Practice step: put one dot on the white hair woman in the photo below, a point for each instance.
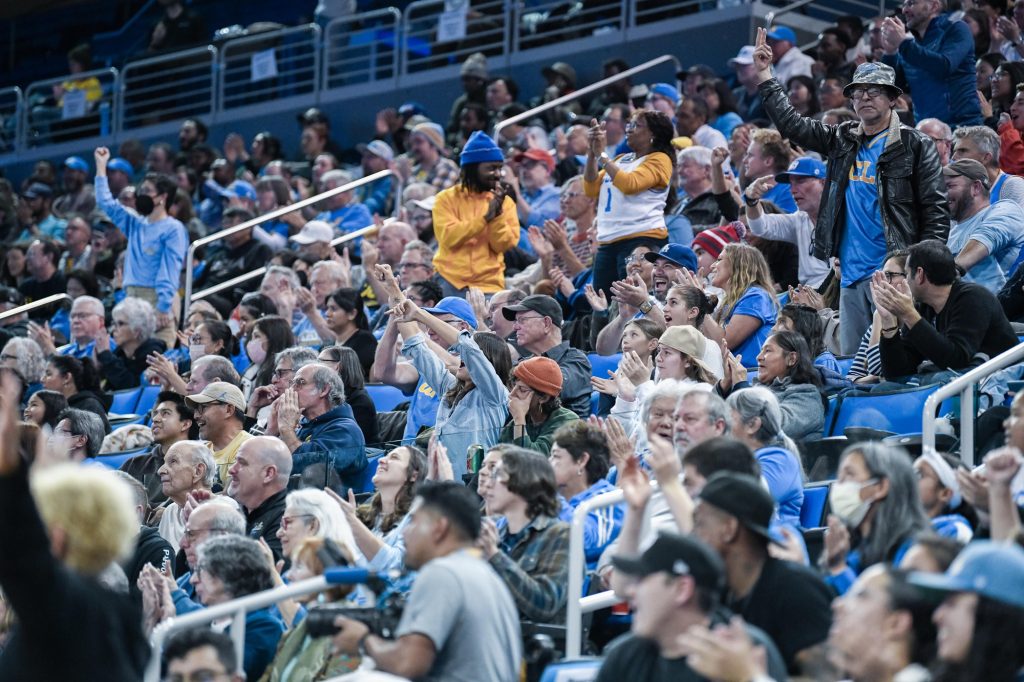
(132, 330)
(757, 422)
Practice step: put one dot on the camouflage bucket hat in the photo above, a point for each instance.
(874, 73)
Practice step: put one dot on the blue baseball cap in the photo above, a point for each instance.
(665, 90)
(986, 568)
(681, 255)
(119, 164)
(782, 33)
(76, 163)
(453, 305)
(805, 166)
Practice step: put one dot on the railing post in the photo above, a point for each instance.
(238, 638)
(967, 425)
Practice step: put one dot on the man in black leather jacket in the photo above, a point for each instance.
(896, 198)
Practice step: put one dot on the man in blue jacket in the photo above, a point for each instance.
(326, 431)
(935, 56)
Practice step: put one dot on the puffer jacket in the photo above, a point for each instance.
(911, 191)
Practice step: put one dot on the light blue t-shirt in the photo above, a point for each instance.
(862, 246)
(422, 410)
(781, 469)
(1000, 229)
(758, 303)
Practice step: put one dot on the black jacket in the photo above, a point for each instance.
(69, 627)
(971, 329)
(224, 264)
(264, 520)
(150, 548)
(122, 371)
(89, 401)
(911, 191)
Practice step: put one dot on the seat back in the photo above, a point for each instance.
(812, 513)
(600, 365)
(578, 670)
(124, 402)
(147, 399)
(898, 411)
(385, 398)
(366, 480)
(115, 460)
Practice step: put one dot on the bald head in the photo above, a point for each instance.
(261, 470)
(391, 241)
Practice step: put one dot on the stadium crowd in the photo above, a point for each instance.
(659, 298)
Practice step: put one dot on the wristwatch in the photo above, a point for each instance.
(646, 307)
(751, 202)
(603, 159)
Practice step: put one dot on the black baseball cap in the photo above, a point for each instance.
(742, 496)
(538, 303)
(676, 555)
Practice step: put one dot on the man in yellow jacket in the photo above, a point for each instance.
(475, 222)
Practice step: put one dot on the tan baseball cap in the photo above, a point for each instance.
(218, 392)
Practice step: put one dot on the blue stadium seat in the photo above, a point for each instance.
(125, 401)
(845, 364)
(812, 513)
(366, 482)
(830, 415)
(385, 398)
(114, 460)
(898, 412)
(595, 402)
(576, 670)
(600, 365)
(147, 399)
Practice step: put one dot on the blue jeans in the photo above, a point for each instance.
(610, 262)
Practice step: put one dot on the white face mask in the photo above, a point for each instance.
(844, 498)
(196, 351)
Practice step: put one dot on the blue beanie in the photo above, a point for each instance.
(479, 149)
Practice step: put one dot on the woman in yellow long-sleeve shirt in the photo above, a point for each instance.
(632, 191)
(475, 222)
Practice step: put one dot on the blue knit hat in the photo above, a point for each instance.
(479, 149)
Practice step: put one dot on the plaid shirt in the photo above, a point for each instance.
(536, 568)
(443, 175)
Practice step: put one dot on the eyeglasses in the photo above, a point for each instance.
(631, 126)
(999, 75)
(279, 373)
(201, 675)
(571, 195)
(890, 276)
(409, 266)
(287, 521)
(298, 383)
(120, 323)
(82, 316)
(193, 533)
(861, 93)
(521, 320)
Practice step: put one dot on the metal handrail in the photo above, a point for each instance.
(236, 608)
(586, 90)
(576, 606)
(34, 304)
(245, 277)
(276, 213)
(126, 71)
(964, 386)
(770, 18)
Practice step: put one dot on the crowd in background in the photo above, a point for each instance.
(435, 370)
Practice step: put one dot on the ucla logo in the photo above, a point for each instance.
(860, 172)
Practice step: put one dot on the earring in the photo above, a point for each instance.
(579, 472)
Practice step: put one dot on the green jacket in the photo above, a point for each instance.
(539, 436)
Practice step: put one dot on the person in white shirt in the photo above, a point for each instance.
(692, 122)
(788, 59)
(806, 178)
(188, 467)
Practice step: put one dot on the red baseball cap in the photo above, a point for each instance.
(537, 155)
